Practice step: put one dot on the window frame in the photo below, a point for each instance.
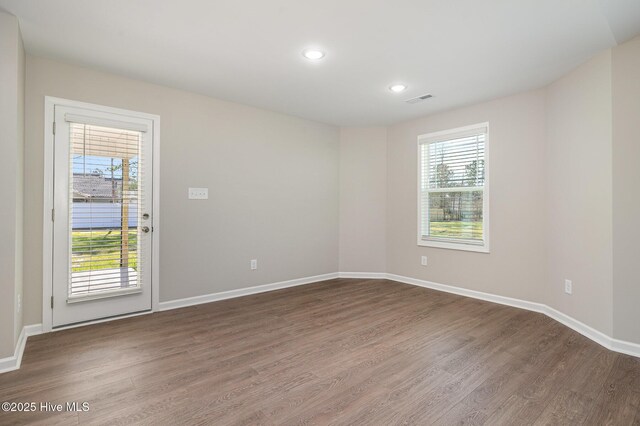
(448, 243)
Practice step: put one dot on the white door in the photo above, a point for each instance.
(103, 218)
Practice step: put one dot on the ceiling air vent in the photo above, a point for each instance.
(418, 99)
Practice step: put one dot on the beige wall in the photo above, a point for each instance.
(20, 170)
(272, 179)
(363, 199)
(579, 207)
(626, 189)
(516, 265)
(11, 176)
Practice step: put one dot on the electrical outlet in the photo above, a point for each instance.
(568, 286)
(198, 193)
(423, 261)
(254, 264)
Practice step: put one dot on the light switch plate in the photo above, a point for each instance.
(198, 193)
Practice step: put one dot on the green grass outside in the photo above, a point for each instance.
(101, 250)
(456, 229)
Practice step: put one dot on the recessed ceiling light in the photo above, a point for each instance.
(313, 54)
(397, 88)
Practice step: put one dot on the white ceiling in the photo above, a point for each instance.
(249, 51)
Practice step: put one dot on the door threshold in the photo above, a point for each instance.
(101, 320)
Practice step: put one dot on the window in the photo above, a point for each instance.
(453, 189)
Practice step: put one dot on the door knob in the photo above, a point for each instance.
(145, 216)
(145, 229)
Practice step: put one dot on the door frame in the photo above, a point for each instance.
(47, 222)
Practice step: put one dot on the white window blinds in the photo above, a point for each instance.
(105, 194)
(452, 185)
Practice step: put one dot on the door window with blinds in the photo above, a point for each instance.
(453, 198)
(104, 208)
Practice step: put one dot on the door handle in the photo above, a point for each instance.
(145, 216)
(145, 229)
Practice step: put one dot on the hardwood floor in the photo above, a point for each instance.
(369, 352)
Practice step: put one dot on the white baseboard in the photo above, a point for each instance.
(625, 347)
(365, 275)
(230, 294)
(11, 363)
(518, 303)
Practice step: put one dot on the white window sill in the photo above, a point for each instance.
(478, 248)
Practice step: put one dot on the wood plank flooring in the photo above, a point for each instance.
(365, 352)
